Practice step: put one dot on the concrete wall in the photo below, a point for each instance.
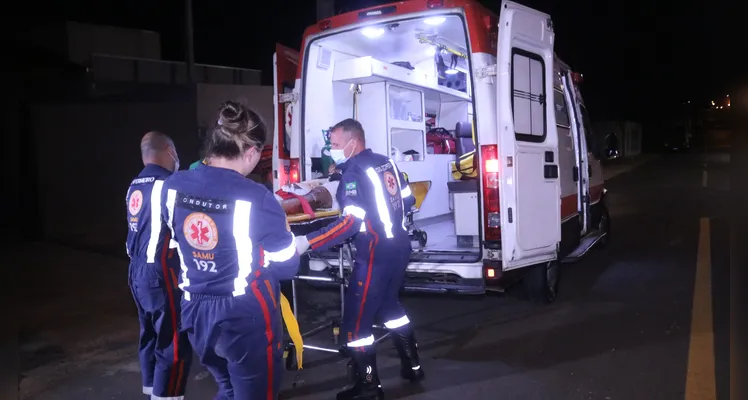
(84, 40)
(87, 155)
(210, 97)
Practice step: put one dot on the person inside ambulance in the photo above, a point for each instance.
(371, 196)
(235, 246)
(165, 354)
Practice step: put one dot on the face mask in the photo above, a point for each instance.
(176, 162)
(338, 155)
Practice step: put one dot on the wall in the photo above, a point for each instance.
(87, 155)
(84, 40)
(259, 98)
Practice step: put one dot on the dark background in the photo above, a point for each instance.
(640, 59)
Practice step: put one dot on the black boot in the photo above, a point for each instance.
(367, 386)
(407, 348)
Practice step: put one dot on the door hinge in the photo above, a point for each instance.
(292, 97)
(483, 72)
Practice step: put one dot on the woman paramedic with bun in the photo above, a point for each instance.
(235, 246)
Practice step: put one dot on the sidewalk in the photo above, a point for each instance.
(613, 168)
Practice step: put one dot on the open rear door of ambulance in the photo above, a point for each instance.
(529, 186)
(285, 62)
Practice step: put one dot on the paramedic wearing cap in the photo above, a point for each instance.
(235, 246)
(165, 354)
(373, 196)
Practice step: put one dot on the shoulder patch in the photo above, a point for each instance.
(390, 182)
(351, 186)
(200, 231)
(135, 203)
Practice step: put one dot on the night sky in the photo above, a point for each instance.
(640, 59)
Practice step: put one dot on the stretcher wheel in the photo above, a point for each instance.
(290, 355)
(422, 238)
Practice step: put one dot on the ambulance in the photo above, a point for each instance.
(516, 184)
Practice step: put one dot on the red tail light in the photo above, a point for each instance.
(293, 171)
(490, 176)
(434, 3)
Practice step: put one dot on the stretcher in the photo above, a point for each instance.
(302, 224)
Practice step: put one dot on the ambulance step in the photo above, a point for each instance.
(584, 246)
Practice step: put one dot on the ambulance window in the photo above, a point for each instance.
(528, 96)
(562, 113)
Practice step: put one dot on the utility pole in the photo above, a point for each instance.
(189, 43)
(325, 9)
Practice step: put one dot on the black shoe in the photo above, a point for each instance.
(407, 348)
(367, 386)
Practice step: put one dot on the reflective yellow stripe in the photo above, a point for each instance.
(293, 328)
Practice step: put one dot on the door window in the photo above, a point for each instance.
(528, 96)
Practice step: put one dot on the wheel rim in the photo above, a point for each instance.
(551, 275)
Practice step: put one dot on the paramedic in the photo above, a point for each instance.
(235, 245)
(165, 354)
(371, 194)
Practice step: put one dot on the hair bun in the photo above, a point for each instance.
(233, 118)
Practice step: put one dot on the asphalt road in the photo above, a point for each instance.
(625, 325)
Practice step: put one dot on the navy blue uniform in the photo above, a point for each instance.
(235, 245)
(373, 195)
(165, 354)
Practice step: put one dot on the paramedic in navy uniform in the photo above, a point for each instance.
(235, 245)
(373, 196)
(165, 354)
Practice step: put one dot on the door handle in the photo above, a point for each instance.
(550, 171)
(575, 173)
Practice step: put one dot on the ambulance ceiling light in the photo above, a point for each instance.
(431, 50)
(434, 21)
(372, 32)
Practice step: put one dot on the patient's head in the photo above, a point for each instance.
(346, 140)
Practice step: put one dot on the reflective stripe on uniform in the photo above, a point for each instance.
(397, 323)
(243, 242)
(402, 191)
(171, 199)
(150, 251)
(281, 255)
(384, 214)
(367, 341)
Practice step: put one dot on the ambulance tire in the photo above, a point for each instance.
(541, 282)
(604, 226)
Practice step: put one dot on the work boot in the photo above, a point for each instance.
(367, 386)
(407, 348)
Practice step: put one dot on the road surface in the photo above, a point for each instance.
(644, 318)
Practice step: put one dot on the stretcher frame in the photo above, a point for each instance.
(345, 253)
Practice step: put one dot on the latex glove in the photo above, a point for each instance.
(302, 244)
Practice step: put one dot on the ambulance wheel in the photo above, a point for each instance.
(604, 226)
(541, 282)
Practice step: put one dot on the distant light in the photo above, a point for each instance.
(372, 32)
(712, 102)
(431, 50)
(434, 21)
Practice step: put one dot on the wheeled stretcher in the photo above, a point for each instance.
(302, 224)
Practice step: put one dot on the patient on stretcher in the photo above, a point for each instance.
(319, 194)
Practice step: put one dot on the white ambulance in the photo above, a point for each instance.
(520, 185)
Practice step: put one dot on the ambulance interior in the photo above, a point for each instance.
(400, 80)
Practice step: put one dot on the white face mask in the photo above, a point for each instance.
(176, 162)
(338, 155)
